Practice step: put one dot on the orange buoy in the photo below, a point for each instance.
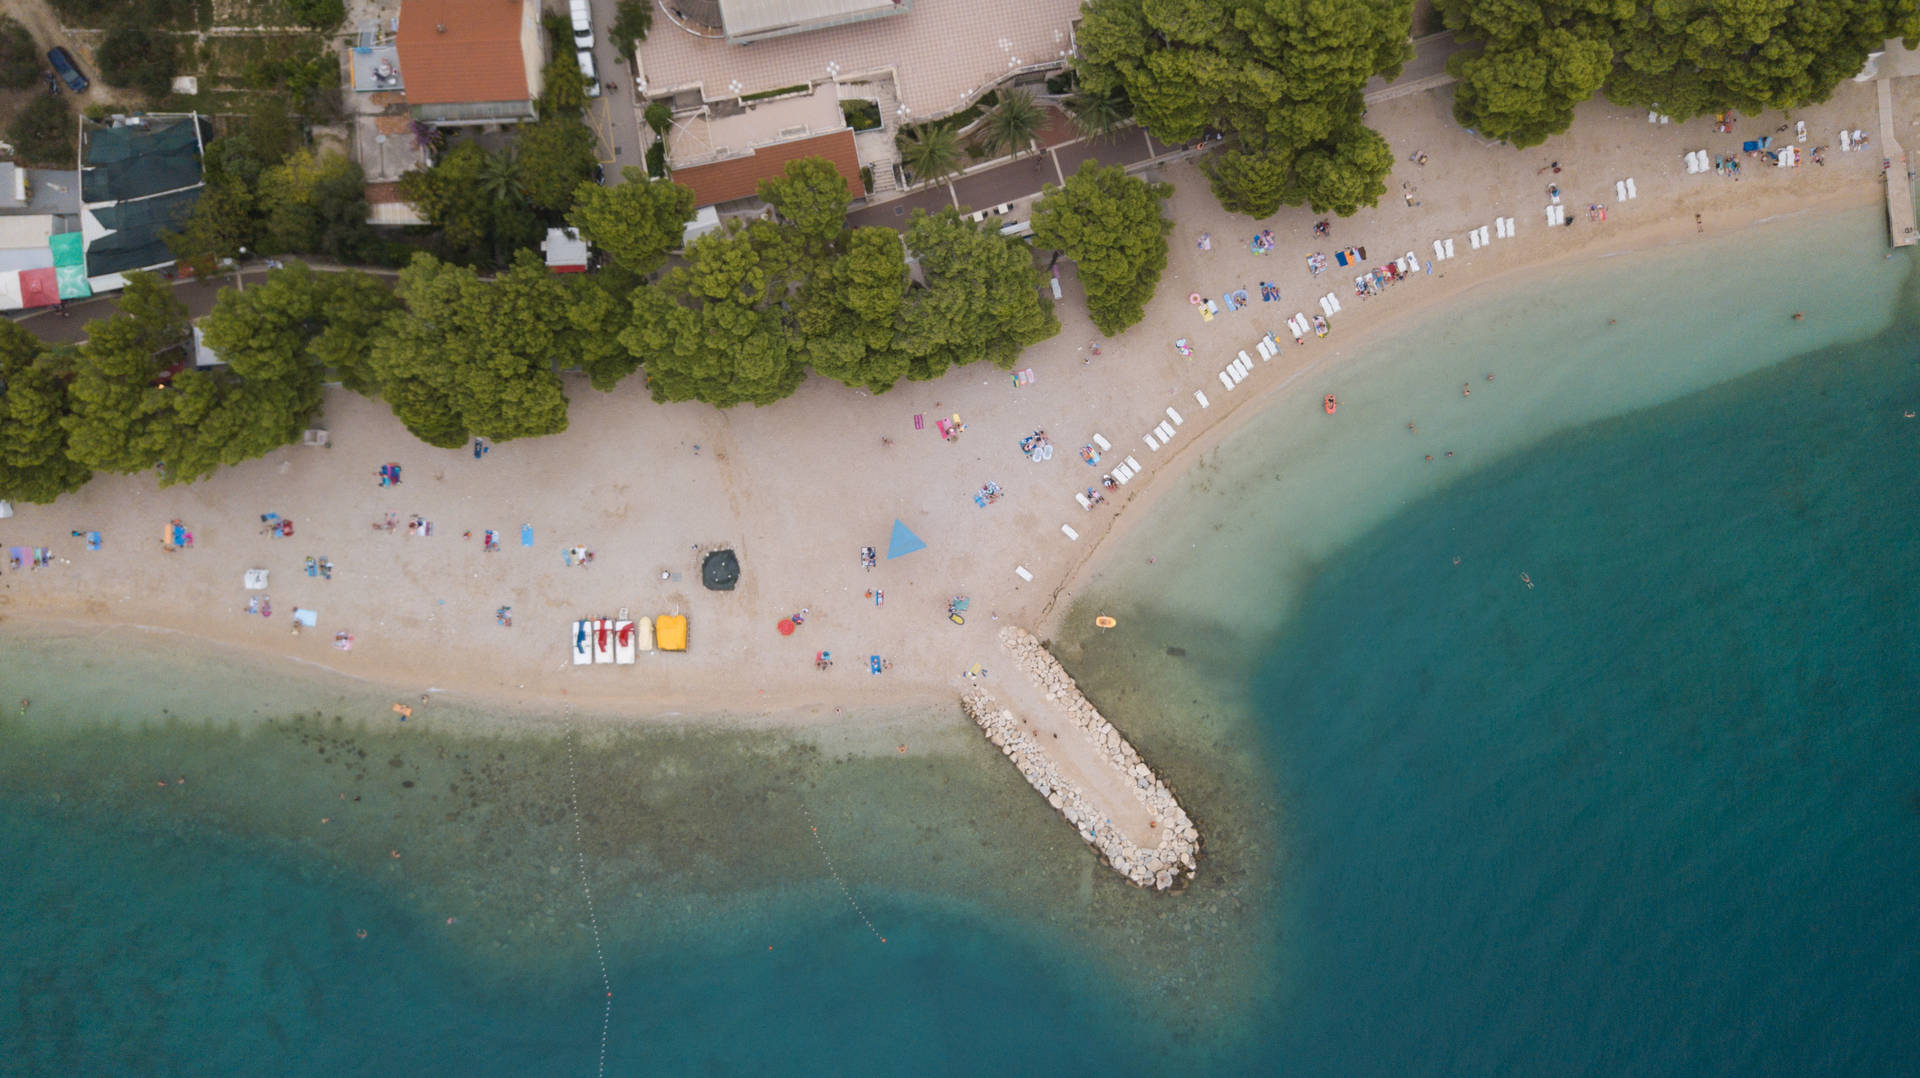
(1105, 622)
(1331, 404)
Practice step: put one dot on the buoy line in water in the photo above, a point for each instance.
(813, 828)
(593, 919)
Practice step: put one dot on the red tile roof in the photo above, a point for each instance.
(724, 181)
(476, 57)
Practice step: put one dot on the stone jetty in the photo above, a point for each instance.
(1085, 769)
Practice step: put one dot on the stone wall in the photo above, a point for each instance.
(1173, 860)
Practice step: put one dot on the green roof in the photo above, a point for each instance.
(135, 241)
(137, 160)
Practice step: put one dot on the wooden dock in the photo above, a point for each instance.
(1900, 222)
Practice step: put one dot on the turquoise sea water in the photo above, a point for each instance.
(1657, 814)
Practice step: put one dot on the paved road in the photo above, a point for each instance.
(613, 115)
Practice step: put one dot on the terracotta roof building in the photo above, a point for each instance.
(739, 177)
(470, 61)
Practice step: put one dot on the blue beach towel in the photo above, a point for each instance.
(874, 663)
(526, 535)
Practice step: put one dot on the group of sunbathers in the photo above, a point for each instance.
(1269, 291)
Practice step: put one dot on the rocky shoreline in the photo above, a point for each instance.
(1171, 862)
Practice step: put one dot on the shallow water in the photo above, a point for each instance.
(1658, 813)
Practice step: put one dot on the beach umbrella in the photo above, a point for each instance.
(785, 626)
(903, 541)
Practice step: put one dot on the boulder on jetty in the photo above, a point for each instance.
(1175, 859)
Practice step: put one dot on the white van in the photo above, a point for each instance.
(585, 56)
(582, 24)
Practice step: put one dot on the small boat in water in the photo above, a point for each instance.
(1331, 404)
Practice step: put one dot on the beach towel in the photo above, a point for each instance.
(526, 535)
(303, 616)
(873, 663)
(1846, 142)
(919, 421)
(17, 556)
(93, 540)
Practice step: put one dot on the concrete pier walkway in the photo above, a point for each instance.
(1089, 773)
(1900, 222)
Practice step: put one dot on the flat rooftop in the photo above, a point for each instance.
(702, 139)
(943, 53)
(749, 20)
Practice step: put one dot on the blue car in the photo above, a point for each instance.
(68, 71)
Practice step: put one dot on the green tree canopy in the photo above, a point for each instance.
(468, 356)
(849, 313)
(137, 57)
(636, 222)
(632, 19)
(984, 298)
(1281, 78)
(713, 330)
(1110, 224)
(930, 151)
(20, 62)
(812, 198)
(34, 464)
(316, 203)
(555, 156)
(1013, 124)
(41, 133)
(1538, 59)
(474, 228)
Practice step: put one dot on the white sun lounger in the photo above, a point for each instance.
(1305, 323)
(1693, 165)
(1165, 430)
(1439, 251)
(644, 631)
(1272, 344)
(1449, 246)
(1021, 572)
(1151, 444)
(1484, 238)
(1121, 473)
(1134, 464)
(623, 642)
(1102, 443)
(1226, 380)
(1202, 398)
(1619, 190)
(1175, 416)
(1473, 238)
(1085, 503)
(1846, 142)
(1067, 530)
(1632, 191)
(582, 643)
(1335, 300)
(602, 630)
(1800, 130)
(1245, 358)
(1325, 307)
(1400, 264)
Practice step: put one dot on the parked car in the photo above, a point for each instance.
(585, 57)
(582, 24)
(69, 72)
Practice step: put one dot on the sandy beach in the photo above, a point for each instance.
(798, 488)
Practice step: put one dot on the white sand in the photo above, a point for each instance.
(799, 487)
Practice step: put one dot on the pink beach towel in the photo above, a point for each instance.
(919, 421)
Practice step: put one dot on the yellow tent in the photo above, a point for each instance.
(670, 632)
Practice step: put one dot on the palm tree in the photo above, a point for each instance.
(1013, 123)
(1096, 115)
(499, 177)
(930, 151)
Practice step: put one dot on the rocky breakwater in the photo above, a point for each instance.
(1164, 860)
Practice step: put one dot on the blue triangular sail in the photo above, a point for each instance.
(903, 541)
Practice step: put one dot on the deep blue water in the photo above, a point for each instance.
(1658, 814)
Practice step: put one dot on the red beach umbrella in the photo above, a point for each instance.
(785, 626)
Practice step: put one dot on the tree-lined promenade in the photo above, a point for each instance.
(741, 316)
